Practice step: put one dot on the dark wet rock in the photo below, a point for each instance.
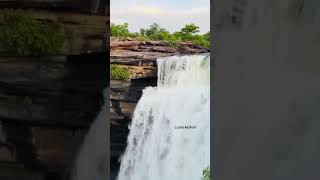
(48, 103)
(83, 33)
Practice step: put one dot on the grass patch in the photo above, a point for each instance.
(26, 36)
(118, 72)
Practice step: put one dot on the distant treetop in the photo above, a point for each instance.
(155, 32)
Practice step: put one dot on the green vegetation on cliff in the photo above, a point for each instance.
(120, 30)
(25, 35)
(206, 175)
(154, 32)
(118, 72)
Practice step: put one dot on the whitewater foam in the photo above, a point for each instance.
(169, 135)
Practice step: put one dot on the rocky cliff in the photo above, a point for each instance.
(83, 6)
(139, 57)
(47, 103)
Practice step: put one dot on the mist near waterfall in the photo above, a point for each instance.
(91, 163)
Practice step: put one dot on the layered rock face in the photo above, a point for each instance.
(84, 6)
(83, 33)
(46, 107)
(48, 103)
(140, 58)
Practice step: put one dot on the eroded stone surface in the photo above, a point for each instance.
(83, 33)
(46, 107)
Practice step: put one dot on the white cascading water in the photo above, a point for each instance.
(169, 135)
(268, 71)
(91, 163)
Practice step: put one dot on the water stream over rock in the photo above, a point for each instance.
(170, 132)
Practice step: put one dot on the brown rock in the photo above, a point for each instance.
(10, 171)
(56, 147)
(6, 155)
(84, 33)
(2, 135)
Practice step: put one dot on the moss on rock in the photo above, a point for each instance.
(26, 36)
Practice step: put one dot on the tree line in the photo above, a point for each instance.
(190, 32)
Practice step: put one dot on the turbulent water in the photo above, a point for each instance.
(169, 135)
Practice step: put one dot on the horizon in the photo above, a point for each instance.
(147, 26)
(168, 14)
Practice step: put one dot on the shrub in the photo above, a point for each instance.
(142, 38)
(172, 42)
(119, 72)
(201, 41)
(26, 36)
(206, 175)
(134, 35)
(206, 36)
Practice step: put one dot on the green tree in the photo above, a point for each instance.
(155, 32)
(120, 30)
(152, 30)
(207, 36)
(142, 32)
(188, 31)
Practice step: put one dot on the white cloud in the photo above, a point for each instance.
(172, 19)
(138, 10)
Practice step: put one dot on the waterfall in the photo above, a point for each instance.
(91, 163)
(169, 135)
(268, 100)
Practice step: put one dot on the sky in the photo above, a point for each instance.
(170, 14)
